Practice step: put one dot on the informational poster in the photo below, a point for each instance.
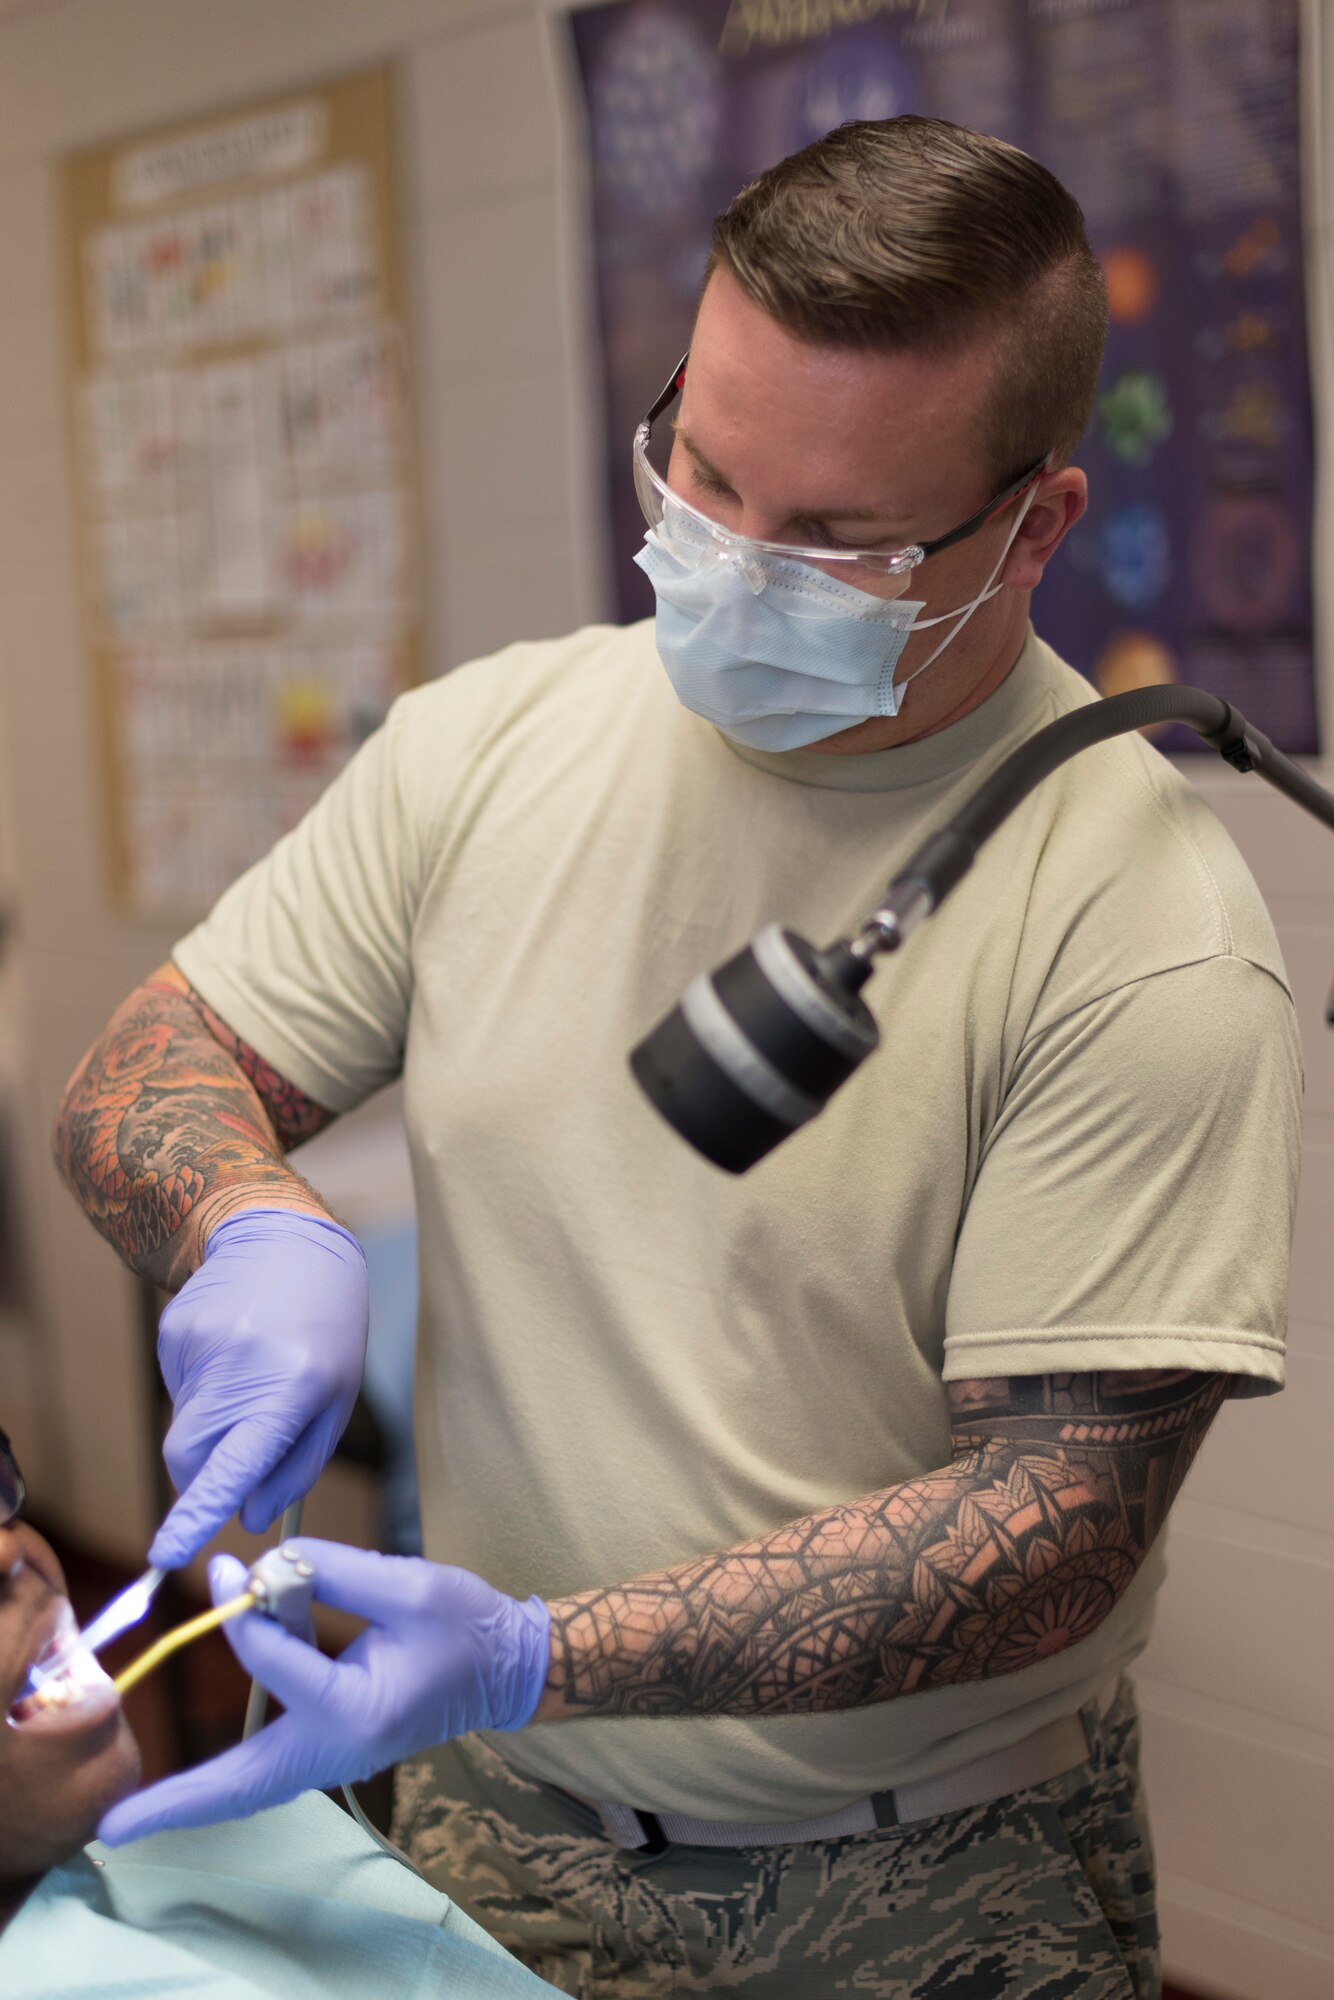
(246, 480)
(1175, 124)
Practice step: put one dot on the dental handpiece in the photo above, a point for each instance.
(280, 1585)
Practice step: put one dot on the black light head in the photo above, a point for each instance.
(756, 1048)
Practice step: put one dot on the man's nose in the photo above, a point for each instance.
(760, 524)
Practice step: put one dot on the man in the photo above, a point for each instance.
(298, 1902)
(838, 1486)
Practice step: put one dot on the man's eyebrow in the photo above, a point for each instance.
(711, 471)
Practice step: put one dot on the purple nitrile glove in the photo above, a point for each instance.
(262, 1352)
(443, 1653)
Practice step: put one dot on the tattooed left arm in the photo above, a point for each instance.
(1017, 1549)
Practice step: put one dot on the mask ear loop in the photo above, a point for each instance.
(989, 589)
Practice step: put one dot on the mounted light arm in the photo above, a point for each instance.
(758, 1047)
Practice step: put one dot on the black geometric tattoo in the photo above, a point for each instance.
(1015, 1551)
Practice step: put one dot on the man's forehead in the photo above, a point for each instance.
(830, 452)
(871, 399)
(899, 420)
(829, 506)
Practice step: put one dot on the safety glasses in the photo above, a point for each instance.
(13, 1492)
(697, 541)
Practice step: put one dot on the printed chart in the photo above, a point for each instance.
(245, 471)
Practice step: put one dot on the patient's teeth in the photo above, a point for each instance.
(63, 1685)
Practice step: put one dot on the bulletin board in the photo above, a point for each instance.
(245, 473)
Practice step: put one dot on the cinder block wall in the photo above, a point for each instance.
(1239, 1737)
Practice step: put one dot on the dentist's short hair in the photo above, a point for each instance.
(914, 235)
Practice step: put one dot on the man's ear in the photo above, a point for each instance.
(1062, 496)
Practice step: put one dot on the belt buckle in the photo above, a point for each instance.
(655, 1840)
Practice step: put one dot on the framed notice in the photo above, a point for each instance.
(246, 481)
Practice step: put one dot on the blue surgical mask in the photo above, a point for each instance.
(781, 655)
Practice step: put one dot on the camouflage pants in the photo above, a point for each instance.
(1047, 1894)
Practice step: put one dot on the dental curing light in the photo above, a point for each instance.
(757, 1048)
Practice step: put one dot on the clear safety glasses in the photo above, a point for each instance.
(701, 543)
(12, 1490)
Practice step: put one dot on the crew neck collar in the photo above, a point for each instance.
(1018, 697)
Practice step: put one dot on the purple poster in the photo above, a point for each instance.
(1174, 122)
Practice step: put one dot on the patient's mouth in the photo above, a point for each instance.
(65, 1684)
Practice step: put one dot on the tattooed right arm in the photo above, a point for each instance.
(171, 1123)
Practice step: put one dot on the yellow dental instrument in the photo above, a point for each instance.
(170, 1642)
(281, 1585)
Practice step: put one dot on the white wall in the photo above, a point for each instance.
(485, 206)
(1236, 1683)
(1240, 1742)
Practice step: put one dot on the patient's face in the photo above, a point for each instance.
(62, 1769)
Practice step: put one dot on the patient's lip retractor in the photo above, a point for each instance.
(63, 1676)
(65, 1668)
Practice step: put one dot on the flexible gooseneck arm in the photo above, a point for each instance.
(946, 855)
(757, 1047)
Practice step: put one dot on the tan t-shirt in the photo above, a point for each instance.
(1075, 1149)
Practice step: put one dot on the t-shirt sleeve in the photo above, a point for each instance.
(1134, 1203)
(308, 955)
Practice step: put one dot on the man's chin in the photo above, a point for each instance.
(112, 1771)
(78, 1777)
(877, 732)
